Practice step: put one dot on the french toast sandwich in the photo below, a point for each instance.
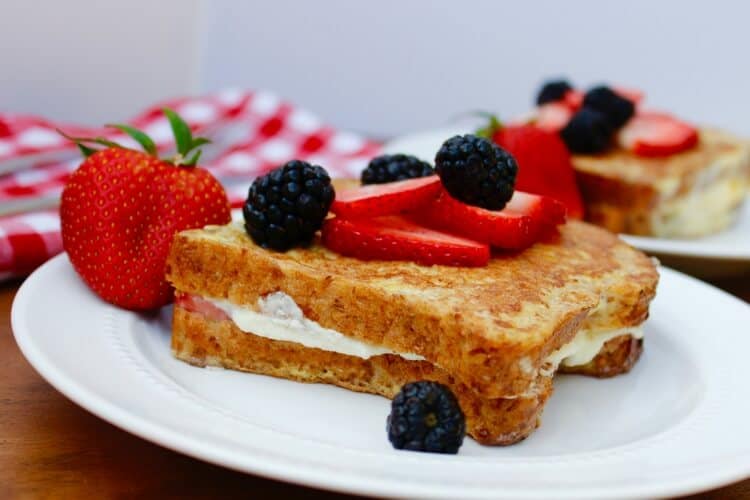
(686, 194)
(495, 335)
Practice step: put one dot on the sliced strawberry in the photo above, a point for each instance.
(396, 238)
(386, 199)
(573, 99)
(553, 116)
(196, 304)
(657, 134)
(523, 221)
(547, 211)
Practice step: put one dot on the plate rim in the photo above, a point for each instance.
(279, 468)
(676, 247)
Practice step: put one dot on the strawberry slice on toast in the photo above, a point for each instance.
(397, 238)
(522, 222)
(391, 198)
(657, 134)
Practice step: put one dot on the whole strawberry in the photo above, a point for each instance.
(544, 164)
(121, 208)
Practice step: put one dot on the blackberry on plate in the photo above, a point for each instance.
(588, 131)
(286, 206)
(476, 171)
(426, 416)
(616, 108)
(398, 167)
(552, 91)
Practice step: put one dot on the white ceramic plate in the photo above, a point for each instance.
(732, 245)
(676, 424)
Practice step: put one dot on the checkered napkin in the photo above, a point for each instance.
(252, 133)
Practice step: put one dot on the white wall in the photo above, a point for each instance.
(95, 61)
(394, 65)
(381, 67)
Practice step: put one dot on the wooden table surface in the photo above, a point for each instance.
(51, 448)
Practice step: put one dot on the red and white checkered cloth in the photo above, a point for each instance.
(252, 132)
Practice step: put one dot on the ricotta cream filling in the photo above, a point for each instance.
(278, 317)
(710, 207)
(584, 347)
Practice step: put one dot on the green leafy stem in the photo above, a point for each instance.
(187, 154)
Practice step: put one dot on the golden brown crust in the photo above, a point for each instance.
(490, 327)
(203, 342)
(618, 206)
(624, 192)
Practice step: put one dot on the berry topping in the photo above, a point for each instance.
(544, 165)
(616, 108)
(396, 238)
(121, 208)
(552, 91)
(476, 171)
(657, 134)
(589, 131)
(426, 416)
(386, 199)
(525, 219)
(398, 167)
(285, 207)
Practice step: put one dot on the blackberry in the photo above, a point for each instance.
(426, 416)
(616, 108)
(476, 171)
(553, 90)
(588, 131)
(398, 167)
(285, 207)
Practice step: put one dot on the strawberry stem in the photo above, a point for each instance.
(85, 150)
(192, 161)
(184, 140)
(140, 137)
(493, 125)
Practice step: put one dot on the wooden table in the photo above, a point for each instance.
(50, 447)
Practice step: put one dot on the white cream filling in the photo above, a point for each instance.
(279, 318)
(708, 208)
(584, 347)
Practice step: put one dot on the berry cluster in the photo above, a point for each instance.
(590, 130)
(601, 112)
(589, 122)
(453, 218)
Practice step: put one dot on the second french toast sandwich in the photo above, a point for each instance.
(413, 280)
(645, 172)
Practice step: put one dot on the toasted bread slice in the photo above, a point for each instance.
(688, 194)
(206, 341)
(498, 330)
